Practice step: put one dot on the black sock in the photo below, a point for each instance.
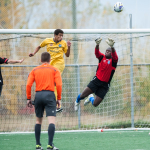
(37, 133)
(51, 131)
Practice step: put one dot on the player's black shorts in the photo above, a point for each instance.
(45, 100)
(1, 86)
(100, 88)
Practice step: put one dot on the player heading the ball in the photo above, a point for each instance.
(56, 47)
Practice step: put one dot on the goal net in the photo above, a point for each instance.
(126, 105)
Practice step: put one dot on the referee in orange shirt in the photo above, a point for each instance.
(46, 77)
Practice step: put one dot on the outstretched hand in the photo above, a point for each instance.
(98, 41)
(110, 42)
(20, 61)
(68, 43)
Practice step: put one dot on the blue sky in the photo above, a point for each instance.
(140, 10)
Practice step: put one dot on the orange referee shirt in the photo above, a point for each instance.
(45, 77)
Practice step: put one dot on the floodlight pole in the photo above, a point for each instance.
(131, 76)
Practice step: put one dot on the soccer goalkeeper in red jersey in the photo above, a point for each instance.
(101, 82)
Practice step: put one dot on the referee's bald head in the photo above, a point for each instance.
(45, 57)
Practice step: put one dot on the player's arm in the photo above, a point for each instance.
(36, 50)
(98, 54)
(44, 43)
(31, 79)
(58, 81)
(111, 43)
(114, 55)
(68, 50)
(15, 61)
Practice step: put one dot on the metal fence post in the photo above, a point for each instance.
(78, 83)
(131, 76)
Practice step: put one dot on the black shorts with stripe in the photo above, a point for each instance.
(45, 100)
(98, 87)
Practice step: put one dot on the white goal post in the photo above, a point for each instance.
(126, 105)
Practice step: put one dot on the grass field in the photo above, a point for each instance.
(107, 140)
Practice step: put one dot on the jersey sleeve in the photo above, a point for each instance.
(65, 47)
(3, 60)
(98, 54)
(31, 79)
(43, 43)
(114, 57)
(58, 81)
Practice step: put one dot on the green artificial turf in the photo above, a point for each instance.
(107, 140)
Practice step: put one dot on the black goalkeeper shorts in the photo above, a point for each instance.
(45, 100)
(100, 88)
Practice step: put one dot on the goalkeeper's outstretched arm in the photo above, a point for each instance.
(98, 41)
(114, 55)
(111, 43)
(98, 54)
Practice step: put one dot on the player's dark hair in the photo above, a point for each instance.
(45, 57)
(57, 31)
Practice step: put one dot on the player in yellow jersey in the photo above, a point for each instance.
(57, 48)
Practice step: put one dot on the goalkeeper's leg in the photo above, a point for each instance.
(94, 101)
(100, 94)
(81, 96)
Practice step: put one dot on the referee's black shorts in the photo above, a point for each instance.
(45, 100)
(100, 88)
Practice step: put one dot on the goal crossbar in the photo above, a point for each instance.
(74, 31)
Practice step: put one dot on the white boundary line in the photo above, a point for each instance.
(96, 130)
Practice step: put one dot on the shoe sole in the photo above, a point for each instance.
(76, 106)
(86, 103)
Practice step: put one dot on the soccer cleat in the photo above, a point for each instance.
(49, 147)
(87, 101)
(39, 147)
(76, 106)
(59, 110)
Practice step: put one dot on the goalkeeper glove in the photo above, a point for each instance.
(110, 42)
(98, 40)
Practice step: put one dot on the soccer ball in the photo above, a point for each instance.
(118, 7)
